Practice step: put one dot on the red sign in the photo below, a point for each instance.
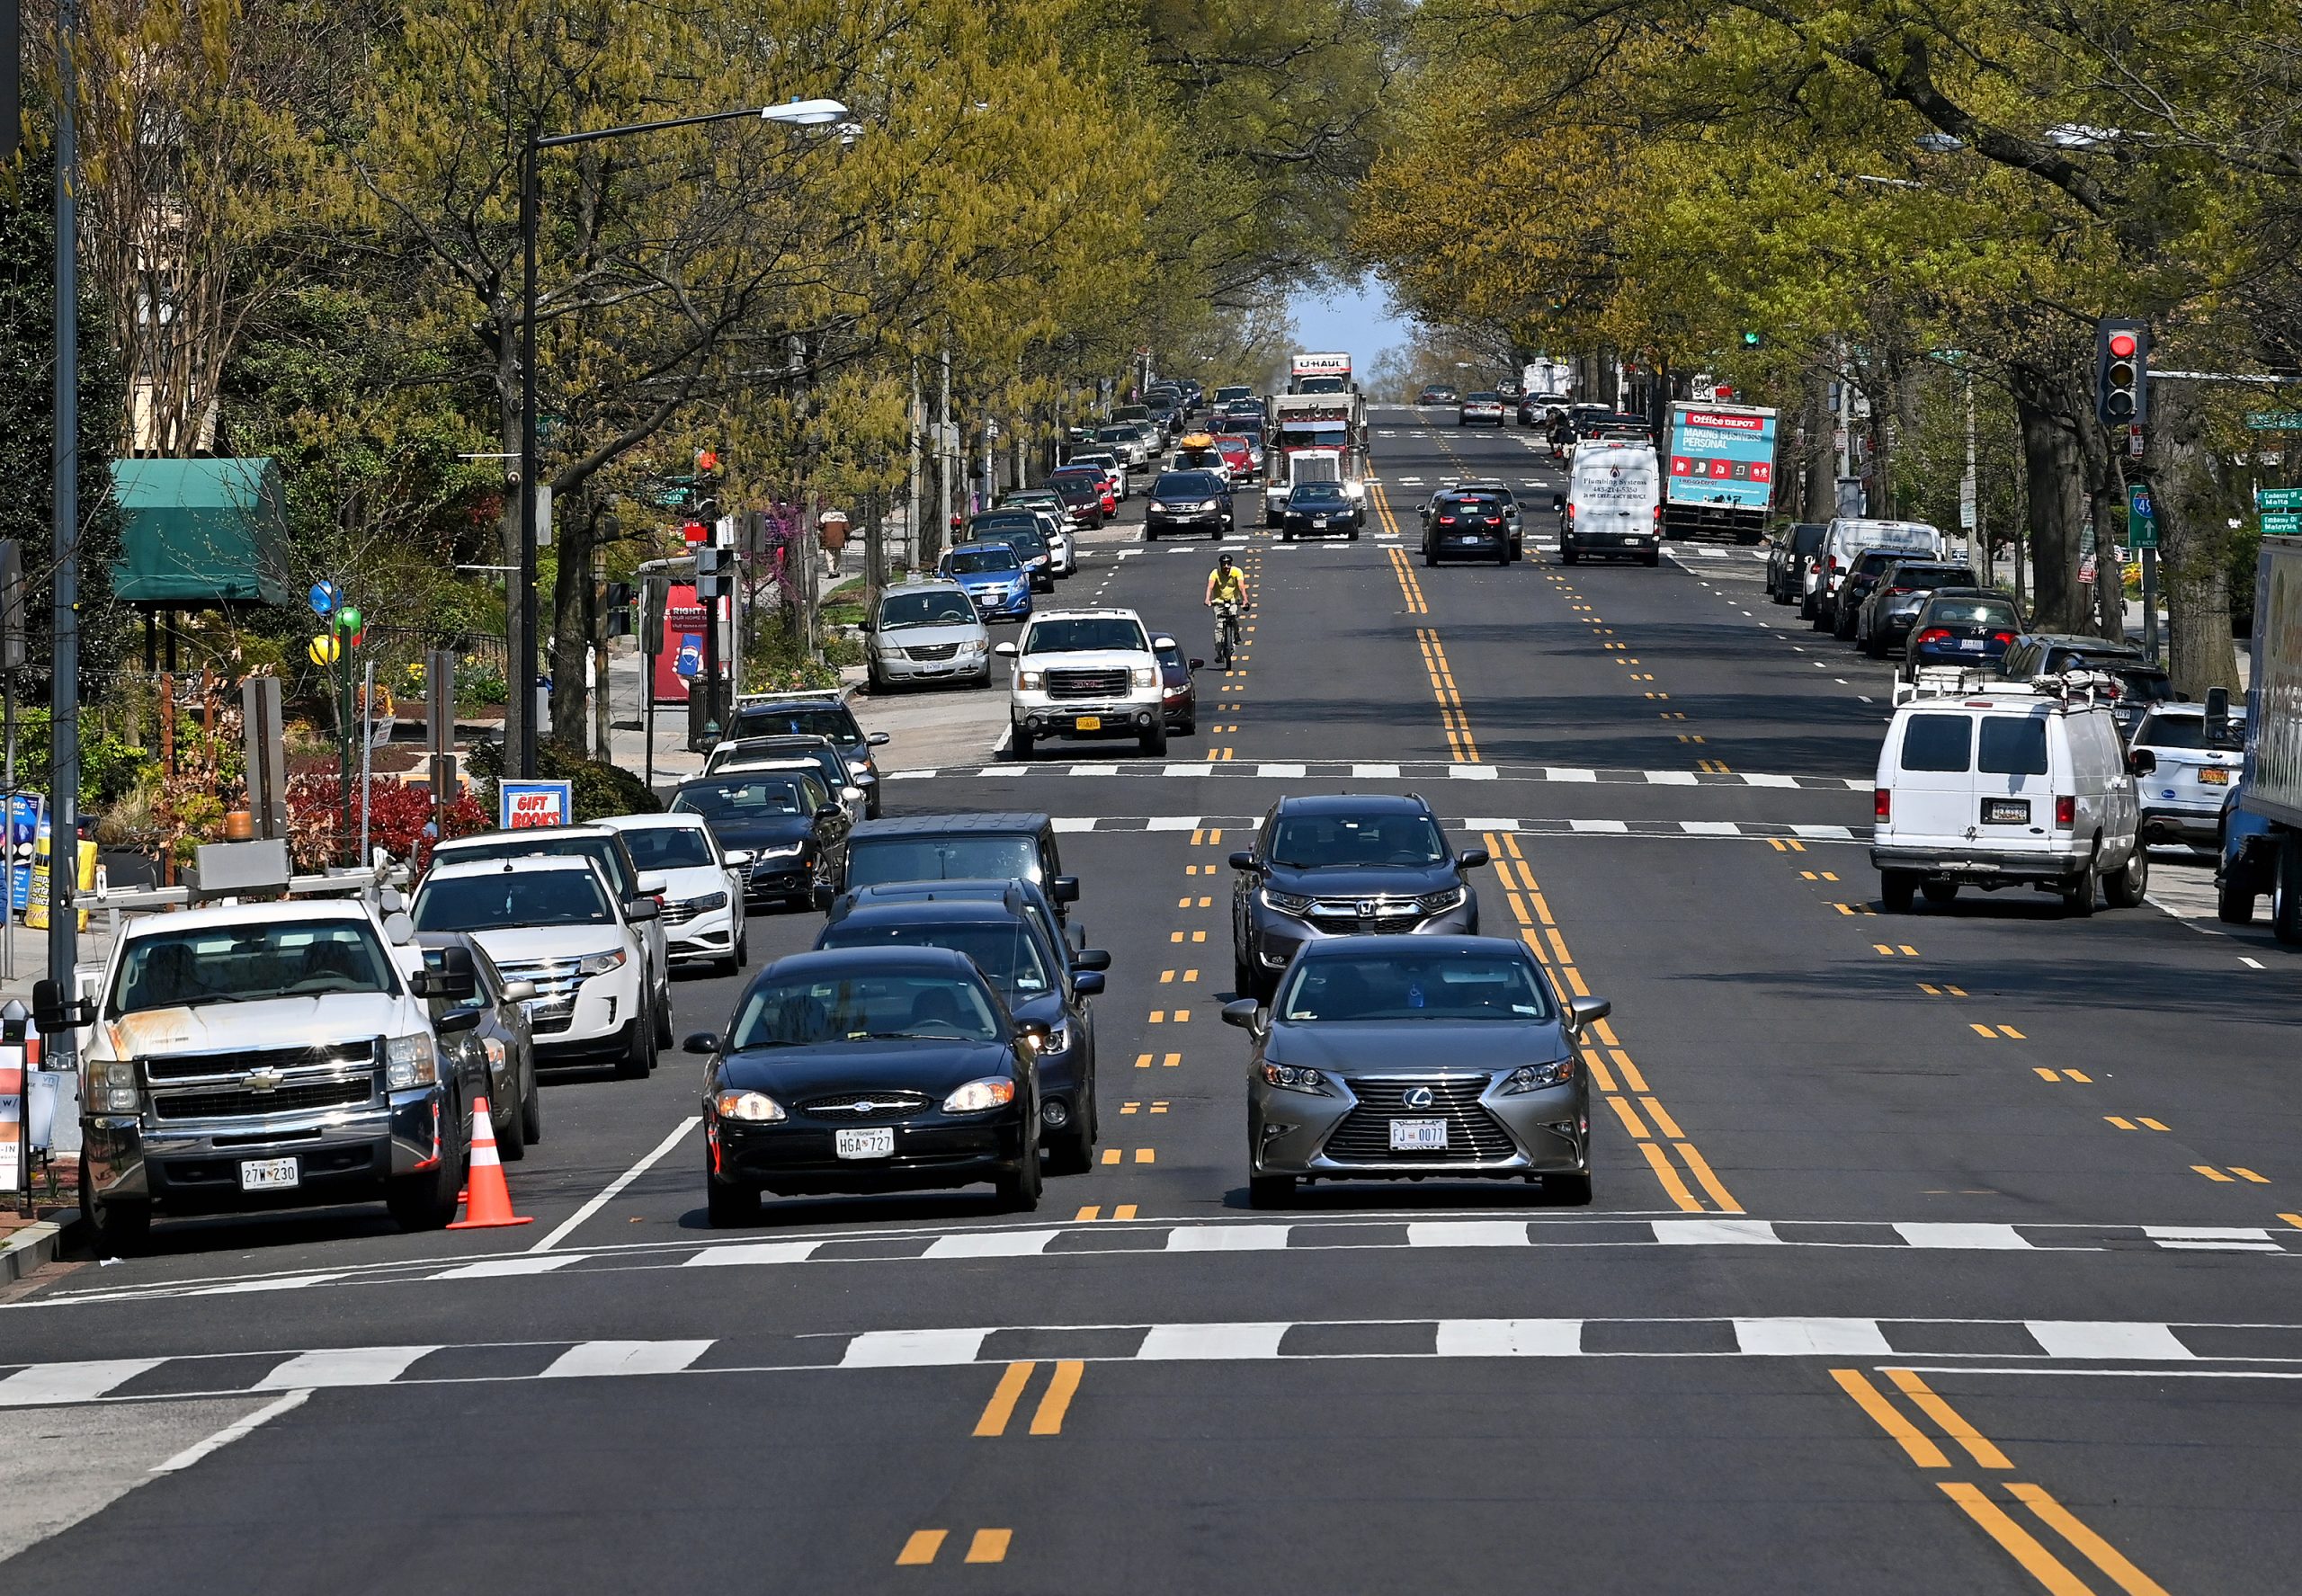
(1711, 418)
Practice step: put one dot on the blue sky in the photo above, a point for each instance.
(1356, 317)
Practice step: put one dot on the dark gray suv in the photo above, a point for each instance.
(1343, 865)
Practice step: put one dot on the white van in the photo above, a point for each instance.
(1986, 785)
(1845, 542)
(1614, 502)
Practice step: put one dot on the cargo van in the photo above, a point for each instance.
(1614, 503)
(1849, 537)
(1982, 784)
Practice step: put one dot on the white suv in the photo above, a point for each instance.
(702, 915)
(1084, 674)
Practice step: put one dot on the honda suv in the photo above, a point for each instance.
(1343, 865)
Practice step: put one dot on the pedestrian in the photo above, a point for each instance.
(831, 535)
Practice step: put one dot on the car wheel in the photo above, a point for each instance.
(1243, 975)
(1155, 741)
(1073, 1150)
(1286, 537)
(1270, 1191)
(1354, 534)
(2286, 893)
(1020, 749)
(664, 1017)
(2232, 907)
(2125, 889)
(638, 1058)
(2078, 894)
(1566, 554)
(1190, 726)
(1569, 1191)
(726, 1205)
(1430, 556)
(531, 1111)
(1940, 893)
(1654, 558)
(510, 1136)
(1897, 889)
(1019, 1192)
(427, 1200)
(120, 1226)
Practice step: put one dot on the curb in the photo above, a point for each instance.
(35, 1245)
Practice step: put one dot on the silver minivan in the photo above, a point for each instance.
(926, 631)
(1984, 786)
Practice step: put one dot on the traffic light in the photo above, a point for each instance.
(2121, 373)
(1750, 340)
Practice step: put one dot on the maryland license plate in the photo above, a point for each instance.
(879, 1142)
(268, 1174)
(1418, 1136)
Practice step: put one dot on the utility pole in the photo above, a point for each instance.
(64, 696)
(947, 458)
(1970, 494)
(917, 418)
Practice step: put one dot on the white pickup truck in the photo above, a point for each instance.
(1084, 674)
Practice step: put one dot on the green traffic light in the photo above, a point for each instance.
(1750, 340)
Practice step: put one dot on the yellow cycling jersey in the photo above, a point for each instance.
(1230, 584)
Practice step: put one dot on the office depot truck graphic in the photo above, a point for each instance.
(1720, 476)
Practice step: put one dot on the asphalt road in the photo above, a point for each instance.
(1947, 1251)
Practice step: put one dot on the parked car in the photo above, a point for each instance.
(1789, 555)
(1317, 510)
(703, 914)
(1188, 501)
(868, 1069)
(1960, 626)
(796, 835)
(992, 578)
(1021, 531)
(769, 754)
(1855, 588)
(1465, 526)
(814, 714)
(1883, 622)
(498, 1039)
(2196, 763)
(1179, 687)
(1112, 465)
(928, 631)
(1848, 539)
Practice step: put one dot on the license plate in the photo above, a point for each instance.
(2213, 778)
(1971, 645)
(1090, 723)
(877, 1142)
(2006, 811)
(1418, 1136)
(1319, 520)
(268, 1174)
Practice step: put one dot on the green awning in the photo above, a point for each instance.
(198, 532)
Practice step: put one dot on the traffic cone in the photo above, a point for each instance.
(488, 1199)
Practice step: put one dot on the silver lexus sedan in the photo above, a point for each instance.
(1393, 1057)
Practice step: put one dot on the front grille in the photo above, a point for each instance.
(1086, 684)
(1473, 1135)
(932, 651)
(679, 914)
(282, 1100)
(185, 1066)
(1342, 916)
(544, 1023)
(883, 1105)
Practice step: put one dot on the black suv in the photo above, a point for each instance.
(1788, 553)
(1188, 501)
(1467, 526)
(806, 715)
(998, 846)
(1343, 865)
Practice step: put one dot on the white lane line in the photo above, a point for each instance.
(1963, 1238)
(1716, 1233)
(585, 1360)
(1284, 772)
(1822, 834)
(343, 1366)
(1094, 769)
(2096, 1338)
(1671, 779)
(519, 1263)
(1811, 1338)
(286, 1402)
(1764, 781)
(1568, 773)
(995, 1244)
(1489, 823)
(1474, 773)
(1509, 1338)
(748, 1252)
(1063, 822)
(85, 1381)
(1710, 828)
(2212, 1238)
(608, 1194)
(2251, 964)
(1174, 822)
(1380, 773)
(245, 1288)
(1187, 1343)
(1606, 827)
(913, 1349)
(1228, 1238)
(1469, 1232)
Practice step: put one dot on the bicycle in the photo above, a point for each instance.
(1226, 631)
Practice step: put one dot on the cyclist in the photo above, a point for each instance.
(1226, 596)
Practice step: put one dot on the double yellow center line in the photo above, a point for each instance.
(1410, 589)
(1458, 725)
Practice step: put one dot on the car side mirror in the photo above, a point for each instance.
(1003, 650)
(1470, 858)
(1243, 861)
(1197, 664)
(51, 1014)
(2141, 761)
(1088, 984)
(643, 909)
(452, 979)
(829, 811)
(1090, 959)
(653, 885)
(702, 1043)
(455, 1019)
(1063, 889)
(1244, 1013)
(1582, 1012)
(518, 991)
(2217, 703)
(738, 857)
(877, 739)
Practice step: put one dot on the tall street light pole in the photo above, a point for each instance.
(519, 707)
(64, 695)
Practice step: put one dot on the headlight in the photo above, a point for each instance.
(121, 1073)
(1286, 902)
(1158, 508)
(1439, 903)
(978, 1095)
(1058, 1038)
(1205, 504)
(1030, 681)
(1145, 676)
(599, 964)
(756, 1107)
(412, 1061)
(709, 900)
(1288, 1077)
(1534, 1077)
(121, 1098)
(780, 851)
(970, 650)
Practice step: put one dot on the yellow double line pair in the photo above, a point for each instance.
(1452, 715)
(1410, 589)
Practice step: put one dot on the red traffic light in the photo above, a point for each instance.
(706, 460)
(2122, 346)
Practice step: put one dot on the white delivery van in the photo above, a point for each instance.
(1614, 502)
(1846, 541)
(1984, 784)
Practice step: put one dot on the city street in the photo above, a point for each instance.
(1929, 1252)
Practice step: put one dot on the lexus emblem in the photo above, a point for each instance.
(1419, 1097)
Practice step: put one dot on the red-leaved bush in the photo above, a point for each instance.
(399, 818)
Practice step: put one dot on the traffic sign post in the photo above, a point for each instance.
(2142, 534)
(2282, 525)
(2275, 421)
(2277, 498)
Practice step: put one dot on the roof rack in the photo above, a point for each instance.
(798, 695)
(2081, 690)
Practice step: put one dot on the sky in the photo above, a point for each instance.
(1357, 318)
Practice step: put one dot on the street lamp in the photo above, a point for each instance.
(520, 710)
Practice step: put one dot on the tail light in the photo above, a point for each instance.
(1833, 565)
(2066, 811)
(1658, 515)
(1882, 804)
(1935, 634)
(1445, 521)
(2007, 637)
(1899, 592)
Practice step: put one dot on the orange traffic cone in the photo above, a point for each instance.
(489, 1199)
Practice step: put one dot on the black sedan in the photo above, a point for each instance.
(1188, 501)
(1178, 688)
(868, 1069)
(499, 1047)
(1317, 510)
(1465, 526)
(794, 829)
(1038, 979)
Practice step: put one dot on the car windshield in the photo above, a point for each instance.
(668, 847)
(1209, 456)
(1316, 492)
(240, 964)
(831, 721)
(975, 560)
(602, 851)
(1171, 655)
(925, 608)
(2149, 686)
(883, 1004)
(1080, 634)
(1186, 485)
(1995, 612)
(501, 900)
(2172, 731)
(1484, 400)
(1924, 577)
(1323, 990)
(1007, 953)
(761, 797)
(1310, 841)
(873, 862)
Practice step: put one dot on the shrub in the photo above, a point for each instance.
(399, 820)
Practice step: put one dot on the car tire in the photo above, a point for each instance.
(1155, 741)
(1285, 536)
(1567, 556)
(122, 1227)
(1072, 1152)
(1430, 556)
(2125, 889)
(1567, 1191)
(1940, 894)
(1190, 727)
(1654, 558)
(664, 1017)
(531, 1111)
(1019, 1192)
(1243, 976)
(1354, 534)
(511, 1141)
(1897, 891)
(638, 1058)
(726, 1205)
(1503, 558)
(2078, 894)
(2232, 907)
(2285, 893)
(1020, 748)
(426, 1201)
(1270, 1191)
